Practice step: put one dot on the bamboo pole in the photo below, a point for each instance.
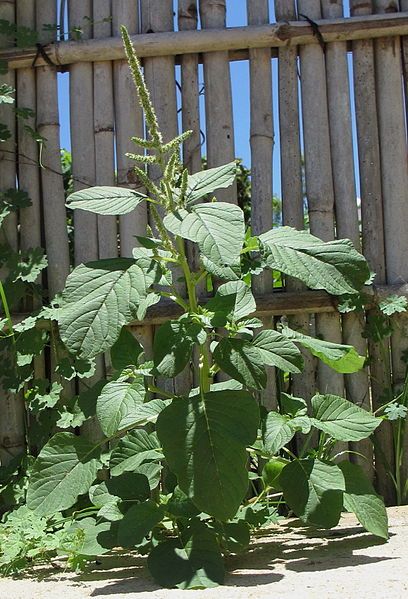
(404, 47)
(103, 128)
(128, 122)
(83, 165)
(262, 139)
(190, 114)
(12, 434)
(235, 40)
(157, 15)
(319, 181)
(28, 166)
(82, 136)
(218, 98)
(53, 198)
(303, 385)
(394, 170)
(372, 228)
(347, 225)
(188, 19)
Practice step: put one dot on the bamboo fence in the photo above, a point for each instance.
(341, 96)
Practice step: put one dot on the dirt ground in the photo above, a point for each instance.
(286, 561)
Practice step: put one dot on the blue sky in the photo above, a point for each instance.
(236, 16)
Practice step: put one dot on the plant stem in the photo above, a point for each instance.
(7, 311)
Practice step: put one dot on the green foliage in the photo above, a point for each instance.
(171, 472)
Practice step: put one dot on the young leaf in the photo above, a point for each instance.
(204, 441)
(361, 499)
(109, 201)
(173, 344)
(195, 564)
(341, 419)
(334, 266)
(99, 298)
(219, 230)
(342, 358)
(277, 351)
(314, 491)
(242, 361)
(117, 407)
(138, 522)
(126, 350)
(276, 432)
(234, 300)
(90, 544)
(131, 451)
(66, 468)
(204, 182)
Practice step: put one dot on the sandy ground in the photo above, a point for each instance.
(286, 561)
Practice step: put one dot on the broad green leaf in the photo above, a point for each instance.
(242, 361)
(204, 182)
(173, 344)
(219, 230)
(128, 487)
(109, 201)
(276, 432)
(134, 449)
(361, 499)
(277, 350)
(234, 300)
(90, 544)
(118, 405)
(226, 273)
(196, 564)
(66, 468)
(236, 535)
(180, 505)
(342, 358)
(99, 298)
(138, 522)
(294, 406)
(334, 266)
(152, 472)
(341, 419)
(314, 491)
(173, 220)
(126, 350)
(204, 441)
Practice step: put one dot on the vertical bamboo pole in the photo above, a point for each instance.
(404, 46)
(128, 122)
(157, 16)
(190, 102)
(103, 128)
(347, 224)
(83, 164)
(303, 385)
(319, 180)
(53, 198)
(394, 171)
(373, 227)
(12, 437)
(188, 19)
(261, 137)
(28, 167)
(82, 135)
(218, 97)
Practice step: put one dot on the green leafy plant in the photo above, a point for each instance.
(171, 472)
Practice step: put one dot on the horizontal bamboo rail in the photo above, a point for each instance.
(277, 303)
(235, 39)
